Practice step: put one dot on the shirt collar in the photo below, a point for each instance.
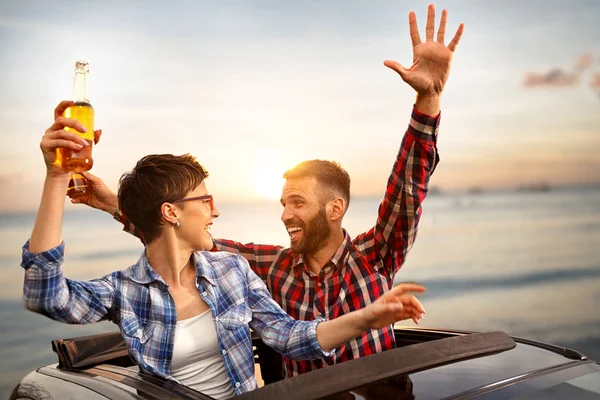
(143, 273)
(203, 267)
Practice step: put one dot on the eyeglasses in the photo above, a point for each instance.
(204, 198)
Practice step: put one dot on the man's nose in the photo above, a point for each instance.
(286, 215)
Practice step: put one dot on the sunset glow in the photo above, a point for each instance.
(268, 183)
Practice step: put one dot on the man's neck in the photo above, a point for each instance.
(317, 260)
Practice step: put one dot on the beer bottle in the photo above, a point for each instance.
(78, 187)
(81, 110)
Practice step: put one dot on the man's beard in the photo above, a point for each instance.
(315, 232)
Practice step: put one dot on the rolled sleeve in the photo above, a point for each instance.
(48, 292)
(47, 260)
(315, 347)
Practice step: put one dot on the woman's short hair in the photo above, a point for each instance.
(156, 179)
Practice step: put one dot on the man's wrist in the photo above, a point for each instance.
(428, 104)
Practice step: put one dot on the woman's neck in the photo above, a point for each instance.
(171, 262)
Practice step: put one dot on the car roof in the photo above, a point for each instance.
(403, 361)
(436, 363)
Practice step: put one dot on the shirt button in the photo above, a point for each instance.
(318, 314)
(204, 294)
(319, 284)
(237, 384)
(224, 351)
(241, 319)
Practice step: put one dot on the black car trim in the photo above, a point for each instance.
(515, 380)
(434, 334)
(564, 351)
(399, 361)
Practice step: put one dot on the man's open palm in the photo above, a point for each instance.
(431, 59)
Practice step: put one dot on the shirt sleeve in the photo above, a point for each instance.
(48, 292)
(387, 244)
(294, 339)
(260, 256)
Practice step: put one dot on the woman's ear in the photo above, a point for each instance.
(169, 212)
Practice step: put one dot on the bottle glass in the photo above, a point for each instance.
(81, 110)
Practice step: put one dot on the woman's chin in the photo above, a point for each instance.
(206, 245)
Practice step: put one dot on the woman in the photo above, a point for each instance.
(184, 312)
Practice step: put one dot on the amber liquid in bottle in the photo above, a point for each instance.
(81, 110)
(78, 187)
(77, 161)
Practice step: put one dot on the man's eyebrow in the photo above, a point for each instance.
(292, 197)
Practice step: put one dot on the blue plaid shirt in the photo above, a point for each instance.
(138, 301)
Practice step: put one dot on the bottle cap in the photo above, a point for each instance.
(82, 67)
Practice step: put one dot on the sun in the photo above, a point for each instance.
(267, 183)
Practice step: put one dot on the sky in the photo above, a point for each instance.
(252, 88)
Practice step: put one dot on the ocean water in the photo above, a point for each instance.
(525, 263)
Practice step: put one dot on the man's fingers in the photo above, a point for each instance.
(413, 29)
(442, 31)
(456, 38)
(62, 122)
(396, 66)
(97, 135)
(430, 27)
(61, 107)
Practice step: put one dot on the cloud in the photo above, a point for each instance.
(558, 77)
(553, 78)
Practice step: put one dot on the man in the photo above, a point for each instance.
(325, 273)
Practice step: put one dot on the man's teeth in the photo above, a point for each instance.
(294, 229)
(207, 228)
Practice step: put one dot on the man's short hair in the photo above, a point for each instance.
(333, 180)
(156, 179)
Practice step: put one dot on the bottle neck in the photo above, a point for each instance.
(80, 88)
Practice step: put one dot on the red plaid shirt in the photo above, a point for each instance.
(362, 269)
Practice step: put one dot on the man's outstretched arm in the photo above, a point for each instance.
(399, 213)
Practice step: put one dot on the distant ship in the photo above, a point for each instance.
(535, 187)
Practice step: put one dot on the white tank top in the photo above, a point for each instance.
(197, 361)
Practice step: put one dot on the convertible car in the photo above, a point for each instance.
(427, 364)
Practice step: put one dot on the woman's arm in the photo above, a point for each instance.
(305, 340)
(46, 232)
(45, 289)
(395, 305)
